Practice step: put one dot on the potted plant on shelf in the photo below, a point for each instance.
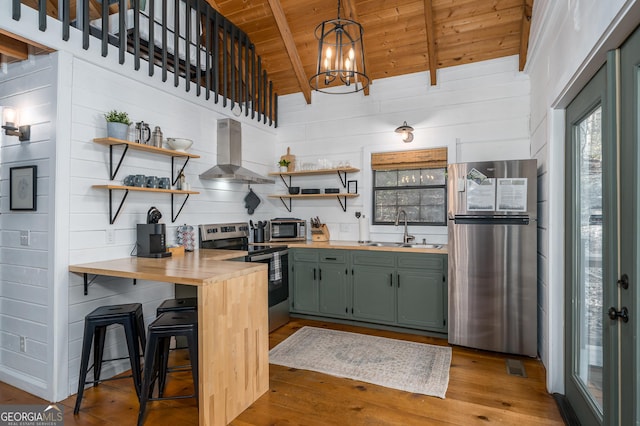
(117, 124)
(284, 165)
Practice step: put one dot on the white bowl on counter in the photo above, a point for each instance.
(179, 144)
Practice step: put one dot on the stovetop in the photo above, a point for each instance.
(231, 236)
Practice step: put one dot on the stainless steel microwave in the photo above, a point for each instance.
(283, 229)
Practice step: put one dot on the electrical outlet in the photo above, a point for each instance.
(23, 344)
(110, 236)
(25, 238)
(344, 227)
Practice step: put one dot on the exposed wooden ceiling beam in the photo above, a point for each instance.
(524, 33)
(431, 41)
(9, 46)
(292, 50)
(352, 13)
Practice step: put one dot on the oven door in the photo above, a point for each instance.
(278, 277)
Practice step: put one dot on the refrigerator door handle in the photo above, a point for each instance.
(491, 220)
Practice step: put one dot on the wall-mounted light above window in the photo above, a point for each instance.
(406, 131)
(10, 124)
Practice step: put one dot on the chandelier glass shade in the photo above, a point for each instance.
(340, 68)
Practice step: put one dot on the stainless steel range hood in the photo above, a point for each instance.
(229, 166)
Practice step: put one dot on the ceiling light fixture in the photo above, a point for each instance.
(9, 120)
(340, 57)
(406, 131)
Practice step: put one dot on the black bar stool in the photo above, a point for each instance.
(95, 330)
(178, 305)
(167, 325)
(184, 304)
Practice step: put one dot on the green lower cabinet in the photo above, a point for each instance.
(334, 289)
(305, 287)
(422, 299)
(374, 294)
(401, 289)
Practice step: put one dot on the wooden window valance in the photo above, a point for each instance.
(432, 158)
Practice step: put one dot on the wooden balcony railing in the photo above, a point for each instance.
(186, 38)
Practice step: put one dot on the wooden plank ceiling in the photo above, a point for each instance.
(400, 36)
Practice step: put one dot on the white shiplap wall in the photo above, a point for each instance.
(94, 91)
(88, 85)
(478, 111)
(25, 271)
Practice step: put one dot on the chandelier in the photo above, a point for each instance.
(340, 57)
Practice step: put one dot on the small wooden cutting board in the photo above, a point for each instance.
(290, 158)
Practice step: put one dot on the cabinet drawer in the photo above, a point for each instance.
(333, 256)
(305, 255)
(421, 261)
(371, 258)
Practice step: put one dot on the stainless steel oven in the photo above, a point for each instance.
(235, 236)
(277, 258)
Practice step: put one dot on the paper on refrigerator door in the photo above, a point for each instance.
(512, 195)
(481, 196)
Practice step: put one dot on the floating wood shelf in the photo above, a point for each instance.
(111, 142)
(142, 147)
(316, 172)
(126, 189)
(342, 174)
(343, 194)
(340, 197)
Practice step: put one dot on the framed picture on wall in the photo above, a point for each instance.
(22, 187)
(352, 187)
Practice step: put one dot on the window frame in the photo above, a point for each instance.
(410, 187)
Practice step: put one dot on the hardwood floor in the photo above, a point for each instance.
(480, 392)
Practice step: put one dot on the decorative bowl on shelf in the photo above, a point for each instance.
(294, 190)
(179, 144)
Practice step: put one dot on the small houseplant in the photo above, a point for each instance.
(284, 165)
(117, 124)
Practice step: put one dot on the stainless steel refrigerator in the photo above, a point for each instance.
(491, 209)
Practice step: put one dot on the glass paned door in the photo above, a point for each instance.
(588, 362)
(603, 243)
(590, 168)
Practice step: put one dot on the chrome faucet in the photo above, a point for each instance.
(406, 238)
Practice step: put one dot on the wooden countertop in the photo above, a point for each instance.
(193, 268)
(354, 245)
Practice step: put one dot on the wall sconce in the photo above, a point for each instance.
(406, 131)
(9, 120)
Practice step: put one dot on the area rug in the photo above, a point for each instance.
(398, 364)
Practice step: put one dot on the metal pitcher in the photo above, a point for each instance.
(143, 132)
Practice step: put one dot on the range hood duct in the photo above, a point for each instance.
(229, 154)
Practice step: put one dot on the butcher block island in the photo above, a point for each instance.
(233, 330)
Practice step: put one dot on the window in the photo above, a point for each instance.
(413, 181)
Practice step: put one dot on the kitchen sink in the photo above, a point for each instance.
(429, 246)
(385, 244)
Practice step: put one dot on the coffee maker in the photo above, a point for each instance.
(152, 236)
